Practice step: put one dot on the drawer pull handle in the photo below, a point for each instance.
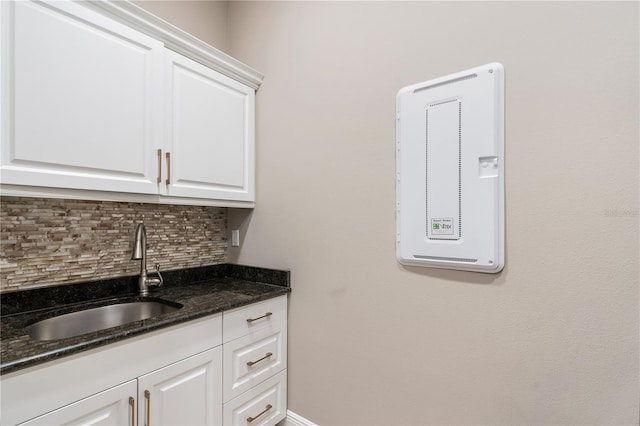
(168, 156)
(267, 315)
(267, 408)
(132, 405)
(159, 165)
(267, 355)
(147, 417)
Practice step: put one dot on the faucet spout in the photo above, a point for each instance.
(140, 253)
(140, 243)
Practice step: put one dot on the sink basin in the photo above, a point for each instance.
(96, 319)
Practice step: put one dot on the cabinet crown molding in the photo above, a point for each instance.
(176, 39)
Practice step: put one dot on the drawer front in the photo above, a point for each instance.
(249, 360)
(263, 405)
(253, 318)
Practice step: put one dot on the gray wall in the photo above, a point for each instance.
(204, 19)
(553, 339)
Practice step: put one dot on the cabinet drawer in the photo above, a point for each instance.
(251, 359)
(265, 404)
(269, 314)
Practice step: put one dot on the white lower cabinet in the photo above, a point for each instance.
(187, 392)
(184, 375)
(115, 406)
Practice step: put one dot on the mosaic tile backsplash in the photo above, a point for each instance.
(50, 242)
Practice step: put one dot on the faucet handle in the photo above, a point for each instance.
(156, 281)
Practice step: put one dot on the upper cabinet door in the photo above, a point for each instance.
(81, 100)
(210, 133)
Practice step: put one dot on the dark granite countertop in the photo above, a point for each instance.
(201, 292)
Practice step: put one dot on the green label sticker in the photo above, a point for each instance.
(442, 226)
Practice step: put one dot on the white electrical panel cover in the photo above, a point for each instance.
(450, 171)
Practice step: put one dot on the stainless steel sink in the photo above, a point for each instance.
(96, 319)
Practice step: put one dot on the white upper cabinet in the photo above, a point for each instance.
(97, 104)
(81, 100)
(210, 135)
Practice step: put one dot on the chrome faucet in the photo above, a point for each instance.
(140, 253)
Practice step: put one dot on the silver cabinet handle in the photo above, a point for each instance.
(267, 408)
(267, 355)
(132, 406)
(267, 315)
(168, 168)
(147, 416)
(159, 165)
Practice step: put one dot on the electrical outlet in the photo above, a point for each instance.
(235, 238)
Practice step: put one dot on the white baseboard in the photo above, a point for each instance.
(294, 419)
